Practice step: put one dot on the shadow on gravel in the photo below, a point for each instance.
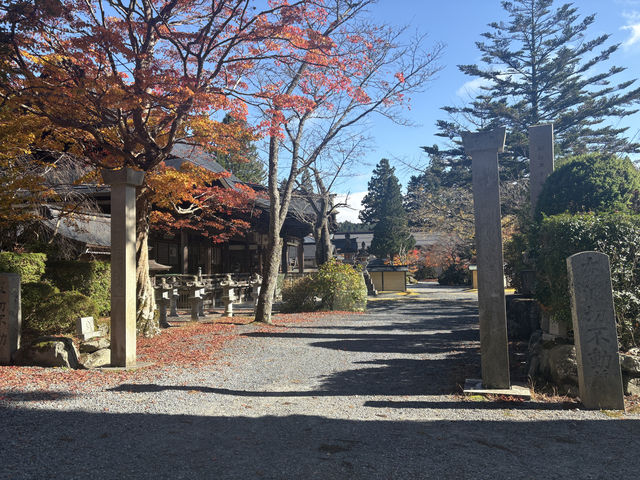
(389, 377)
(78, 445)
(470, 405)
(35, 396)
(441, 342)
(420, 306)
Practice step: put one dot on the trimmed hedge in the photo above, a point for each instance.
(617, 235)
(590, 183)
(30, 266)
(92, 279)
(57, 313)
(335, 286)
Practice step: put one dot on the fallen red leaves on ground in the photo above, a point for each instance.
(187, 346)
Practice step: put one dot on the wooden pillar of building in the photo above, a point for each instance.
(209, 266)
(301, 256)
(226, 258)
(285, 256)
(184, 252)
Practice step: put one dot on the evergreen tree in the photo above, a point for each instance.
(376, 196)
(243, 162)
(391, 235)
(540, 68)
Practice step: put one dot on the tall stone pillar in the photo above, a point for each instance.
(10, 316)
(483, 148)
(123, 264)
(540, 159)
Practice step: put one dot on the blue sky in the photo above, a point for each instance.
(458, 24)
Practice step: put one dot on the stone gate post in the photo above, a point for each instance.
(123, 264)
(483, 148)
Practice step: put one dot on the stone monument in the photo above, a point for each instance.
(594, 327)
(483, 148)
(540, 159)
(123, 263)
(173, 296)
(86, 328)
(163, 300)
(10, 316)
(196, 301)
(228, 296)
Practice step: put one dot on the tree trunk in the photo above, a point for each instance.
(322, 236)
(270, 270)
(146, 321)
(325, 238)
(273, 255)
(321, 232)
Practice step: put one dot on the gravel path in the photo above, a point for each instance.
(355, 396)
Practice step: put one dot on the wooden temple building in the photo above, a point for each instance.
(184, 252)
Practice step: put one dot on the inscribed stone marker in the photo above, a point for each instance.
(10, 316)
(594, 327)
(86, 328)
(483, 148)
(540, 159)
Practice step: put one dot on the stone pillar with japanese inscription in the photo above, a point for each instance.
(540, 159)
(10, 316)
(483, 148)
(594, 327)
(123, 264)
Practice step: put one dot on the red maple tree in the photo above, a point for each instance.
(130, 80)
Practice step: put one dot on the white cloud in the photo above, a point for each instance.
(354, 202)
(472, 87)
(633, 25)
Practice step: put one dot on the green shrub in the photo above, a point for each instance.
(335, 286)
(92, 279)
(30, 266)
(58, 313)
(33, 294)
(300, 296)
(515, 249)
(454, 274)
(341, 287)
(617, 235)
(425, 272)
(590, 183)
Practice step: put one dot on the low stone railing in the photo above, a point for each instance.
(196, 292)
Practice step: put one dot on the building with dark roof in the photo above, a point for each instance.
(88, 232)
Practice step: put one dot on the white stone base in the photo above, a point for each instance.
(137, 366)
(89, 335)
(473, 386)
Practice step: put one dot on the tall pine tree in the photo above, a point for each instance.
(391, 235)
(243, 162)
(375, 198)
(539, 67)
